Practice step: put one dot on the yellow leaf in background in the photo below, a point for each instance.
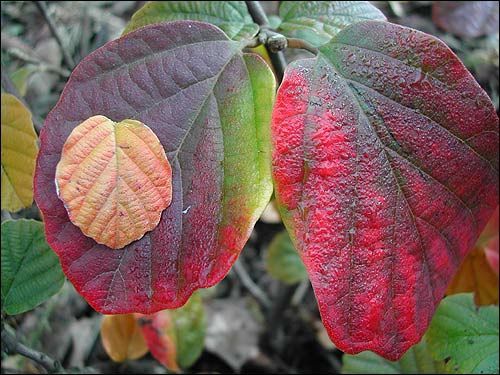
(19, 150)
(114, 179)
(477, 274)
(122, 337)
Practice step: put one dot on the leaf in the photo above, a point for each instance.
(21, 77)
(467, 19)
(465, 336)
(234, 326)
(491, 251)
(31, 272)
(158, 333)
(176, 337)
(489, 240)
(417, 360)
(114, 179)
(19, 150)
(283, 262)
(261, 50)
(274, 21)
(122, 337)
(318, 21)
(189, 322)
(210, 107)
(385, 165)
(475, 273)
(231, 16)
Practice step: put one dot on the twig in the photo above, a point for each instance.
(12, 346)
(259, 17)
(280, 304)
(17, 48)
(257, 13)
(6, 215)
(42, 66)
(299, 43)
(301, 291)
(42, 7)
(9, 87)
(253, 288)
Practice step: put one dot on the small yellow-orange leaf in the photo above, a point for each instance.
(114, 179)
(122, 337)
(475, 275)
(19, 150)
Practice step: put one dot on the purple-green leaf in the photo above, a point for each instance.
(210, 106)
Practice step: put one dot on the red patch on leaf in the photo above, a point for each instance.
(385, 161)
(157, 330)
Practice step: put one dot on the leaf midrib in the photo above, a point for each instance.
(361, 111)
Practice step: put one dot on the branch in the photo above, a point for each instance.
(42, 7)
(253, 288)
(275, 317)
(302, 44)
(12, 346)
(6, 215)
(300, 292)
(9, 88)
(257, 13)
(259, 17)
(41, 65)
(17, 48)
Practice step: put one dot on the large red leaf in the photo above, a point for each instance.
(210, 107)
(385, 161)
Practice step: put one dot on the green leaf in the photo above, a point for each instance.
(318, 21)
(465, 336)
(189, 322)
(21, 77)
(31, 272)
(176, 337)
(231, 16)
(274, 21)
(417, 360)
(283, 262)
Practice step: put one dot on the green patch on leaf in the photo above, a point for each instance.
(465, 336)
(189, 322)
(283, 262)
(231, 16)
(319, 21)
(417, 360)
(31, 272)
